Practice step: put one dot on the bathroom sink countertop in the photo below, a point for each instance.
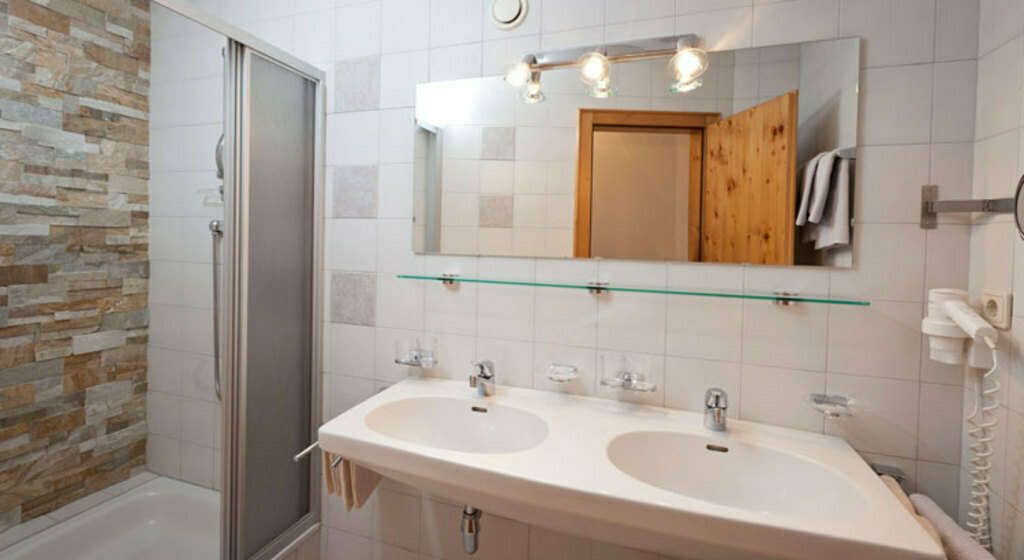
(643, 476)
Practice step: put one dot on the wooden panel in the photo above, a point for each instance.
(584, 176)
(750, 185)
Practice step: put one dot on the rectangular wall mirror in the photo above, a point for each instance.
(755, 166)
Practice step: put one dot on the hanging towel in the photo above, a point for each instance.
(957, 544)
(822, 186)
(834, 224)
(805, 195)
(353, 483)
(897, 490)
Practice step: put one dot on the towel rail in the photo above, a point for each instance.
(298, 457)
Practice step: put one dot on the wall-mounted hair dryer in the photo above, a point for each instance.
(950, 322)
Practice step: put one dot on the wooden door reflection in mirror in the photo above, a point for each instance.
(638, 184)
(677, 186)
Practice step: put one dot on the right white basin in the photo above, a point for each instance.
(735, 474)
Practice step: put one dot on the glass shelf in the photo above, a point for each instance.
(782, 298)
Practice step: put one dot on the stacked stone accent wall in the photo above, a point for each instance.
(74, 105)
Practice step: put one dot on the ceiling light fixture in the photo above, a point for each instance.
(519, 74)
(525, 76)
(688, 64)
(531, 93)
(594, 68)
(601, 90)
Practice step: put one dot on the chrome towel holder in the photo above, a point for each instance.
(301, 454)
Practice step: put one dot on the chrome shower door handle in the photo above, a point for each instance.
(216, 233)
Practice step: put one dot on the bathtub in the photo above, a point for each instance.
(163, 519)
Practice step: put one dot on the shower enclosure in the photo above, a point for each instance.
(268, 312)
(185, 374)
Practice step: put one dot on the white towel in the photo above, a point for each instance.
(822, 186)
(353, 483)
(957, 544)
(805, 195)
(833, 228)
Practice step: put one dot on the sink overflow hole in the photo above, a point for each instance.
(480, 409)
(717, 448)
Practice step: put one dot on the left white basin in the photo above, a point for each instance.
(458, 425)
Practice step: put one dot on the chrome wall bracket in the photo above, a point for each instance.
(784, 298)
(931, 206)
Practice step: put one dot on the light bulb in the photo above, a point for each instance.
(594, 68)
(518, 75)
(683, 87)
(532, 93)
(601, 90)
(689, 63)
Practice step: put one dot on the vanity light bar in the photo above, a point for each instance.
(662, 47)
(689, 62)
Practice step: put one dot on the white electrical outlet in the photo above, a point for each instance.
(997, 307)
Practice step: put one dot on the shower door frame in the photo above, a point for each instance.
(240, 45)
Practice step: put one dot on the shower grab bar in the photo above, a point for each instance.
(216, 233)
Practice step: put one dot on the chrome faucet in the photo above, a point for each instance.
(483, 379)
(716, 405)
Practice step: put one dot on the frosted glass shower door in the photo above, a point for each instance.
(271, 350)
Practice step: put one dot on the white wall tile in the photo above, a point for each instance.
(999, 21)
(889, 264)
(562, 15)
(896, 105)
(351, 244)
(353, 138)
(883, 340)
(885, 417)
(789, 337)
(631, 322)
(894, 32)
(955, 89)
(357, 30)
(399, 75)
(687, 380)
(454, 22)
(939, 438)
(406, 25)
(781, 397)
(721, 29)
(791, 21)
(1000, 78)
(453, 63)
(888, 183)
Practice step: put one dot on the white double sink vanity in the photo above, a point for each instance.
(641, 476)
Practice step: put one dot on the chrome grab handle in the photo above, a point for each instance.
(216, 234)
